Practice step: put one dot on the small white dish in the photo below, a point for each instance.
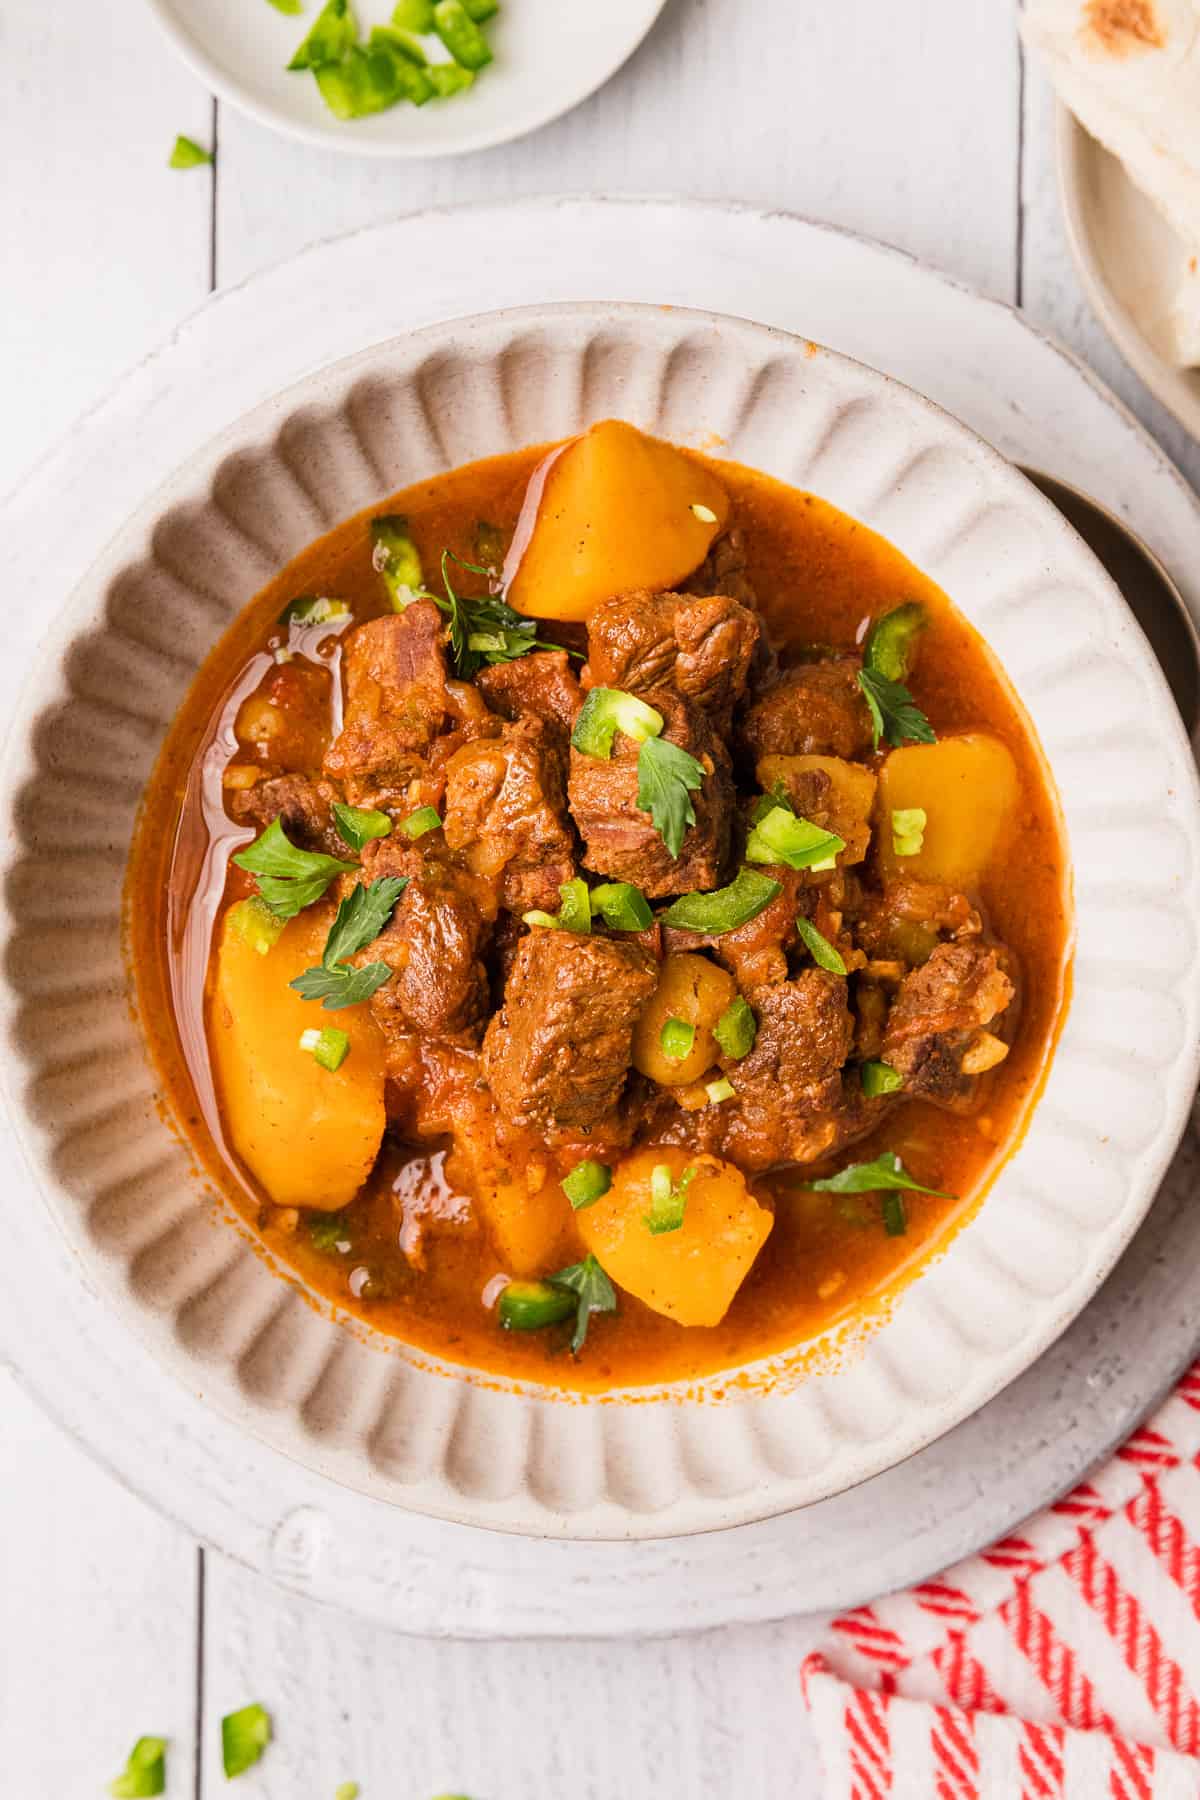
(1129, 261)
(549, 55)
(112, 669)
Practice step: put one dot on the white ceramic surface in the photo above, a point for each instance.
(548, 57)
(1129, 261)
(121, 657)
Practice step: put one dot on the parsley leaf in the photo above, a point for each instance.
(341, 986)
(483, 629)
(360, 919)
(895, 715)
(887, 1171)
(594, 1294)
(667, 776)
(289, 879)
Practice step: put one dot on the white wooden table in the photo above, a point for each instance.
(920, 126)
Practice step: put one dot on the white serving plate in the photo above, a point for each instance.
(1129, 261)
(549, 56)
(119, 658)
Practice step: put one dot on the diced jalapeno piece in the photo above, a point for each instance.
(891, 645)
(256, 924)
(397, 559)
(481, 10)
(413, 15)
(676, 1039)
(607, 711)
(357, 825)
(460, 34)
(417, 824)
(724, 909)
(879, 1078)
(313, 609)
(781, 837)
(622, 906)
(532, 1305)
(332, 34)
(587, 1183)
(736, 1029)
(328, 1047)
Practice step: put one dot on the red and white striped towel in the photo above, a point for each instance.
(1062, 1664)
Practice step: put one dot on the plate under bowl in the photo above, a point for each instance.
(82, 1094)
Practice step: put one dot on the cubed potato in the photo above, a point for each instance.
(692, 1274)
(696, 991)
(618, 511)
(968, 788)
(518, 1197)
(309, 1136)
(844, 806)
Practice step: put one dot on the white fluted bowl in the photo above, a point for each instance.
(82, 1094)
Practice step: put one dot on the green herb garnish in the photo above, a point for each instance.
(820, 948)
(676, 1039)
(594, 1293)
(586, 1183)
(334, 31)
(725, 908)
(289, 879)
(887, 1171)
(187, 154)
(879, 1078)
(575, 914)
(736, 1029)
(358, 825)
(781, 837)
(245, 1734)
(667, 777)
(329, 1047)
(483, 628)
(668, 1200)
(622, 906)
(145, 1771)
(425, 819)
(360, 919)
(895, 715)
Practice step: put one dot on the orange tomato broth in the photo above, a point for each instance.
(826, 1267)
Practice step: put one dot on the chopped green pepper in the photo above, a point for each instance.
(676, 1039)
(328, 1047)
(357, 825)
(736, 1029)
(908, 829)
(188, 154)
(333, 32)
(622, 906)
(328, 1230)
(879, 1078)
(460, 34)
(449, 79)
(245, 1734)
(256, 924)
(891, 645)
(414, 15)
(819, 948)
(586, 1183)
(781, 837)
(607, 711)
(313, 609)
(725, 908)
(722, 1089)
(668, 1200)
(575, 913)
(418, 823)
(395, 556)
(532, 1305)
(480, 11)
(895, 1219)
(145, 1771)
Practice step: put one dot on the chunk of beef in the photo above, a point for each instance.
(556, 1054)
(396, 704)
(506, 810)
(814, 709)
(541, 685)
(302, 806)
(724, 571)
(789, 1086)
(434, 942)
(701, 647)
(621, 839)
(909, 918)
(935, 1033)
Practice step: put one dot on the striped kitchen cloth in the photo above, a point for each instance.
(1061, 1664)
